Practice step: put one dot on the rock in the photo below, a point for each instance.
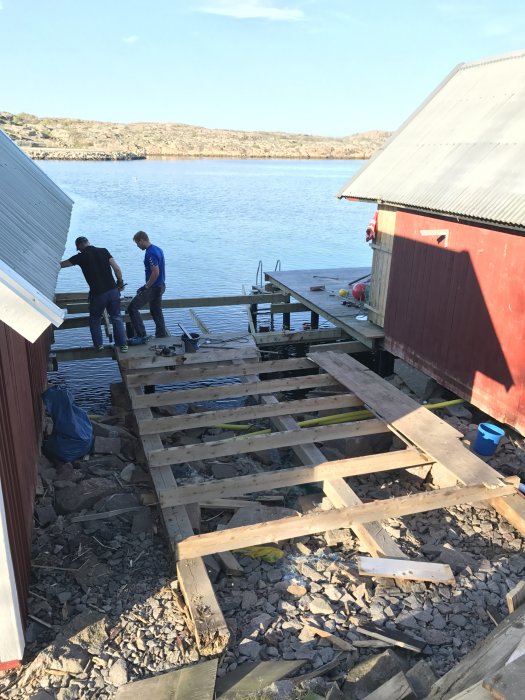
(320, 606)
(142, 522)
(274, 575)
(418, 382)
(296, 590)
(459, 410)
(84, 494)
(281, 690)
(258, 625)
(435, 637)
(133, 474)
(91, 573)
(118, 673)
(249, 600)
(107, 445)
(116, 501)
(455, 559)
(421, 678)
(371, 673)
(249, 648)
(222, 470)
(88, 630)
(45, 514)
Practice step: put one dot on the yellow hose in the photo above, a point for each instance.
(329, 420)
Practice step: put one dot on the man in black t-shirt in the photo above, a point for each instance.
(98, 265)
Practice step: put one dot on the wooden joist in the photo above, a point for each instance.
(304, 336)
(147, 358)
(243, 445)
(418, 426)
(225, 391)
(283, 478)
(298, 526)
(244, 413)
(211, 631)
(188, 373)
(77, 306)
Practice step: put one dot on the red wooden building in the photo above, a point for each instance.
(34, 221)
(449, 254)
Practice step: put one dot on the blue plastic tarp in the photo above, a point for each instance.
(72, 434)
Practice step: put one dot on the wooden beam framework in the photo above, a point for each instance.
(430, 442)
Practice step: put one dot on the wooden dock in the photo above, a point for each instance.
(327, 303)
(346, 386)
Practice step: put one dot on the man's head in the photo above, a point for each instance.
(81, 243)
(141, 238)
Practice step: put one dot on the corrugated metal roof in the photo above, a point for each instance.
(462, 152)
(34, 219)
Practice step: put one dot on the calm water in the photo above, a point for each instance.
(215, 220)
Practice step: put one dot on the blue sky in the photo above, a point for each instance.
(327, 67)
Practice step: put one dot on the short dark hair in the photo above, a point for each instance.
(141, 236)
(81, 241)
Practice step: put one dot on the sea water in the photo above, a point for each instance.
(215, 220)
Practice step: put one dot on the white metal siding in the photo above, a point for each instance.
(462, 152)
(34, 219)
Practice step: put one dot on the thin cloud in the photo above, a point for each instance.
(1, 5)
(130, 39)
(251, 9)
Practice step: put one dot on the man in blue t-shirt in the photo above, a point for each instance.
(151, 293)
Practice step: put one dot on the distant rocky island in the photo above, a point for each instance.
(79, 139)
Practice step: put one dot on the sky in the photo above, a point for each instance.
(323, 67)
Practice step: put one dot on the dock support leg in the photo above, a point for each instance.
(314, 320)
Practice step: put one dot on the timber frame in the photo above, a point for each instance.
(346, 385)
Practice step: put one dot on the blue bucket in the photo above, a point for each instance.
(487, 439)
(191, 344)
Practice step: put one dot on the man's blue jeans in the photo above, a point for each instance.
(153, 297)
(109, 300)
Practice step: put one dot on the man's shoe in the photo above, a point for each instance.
(123, 348)
(138, 340)
(99, 348)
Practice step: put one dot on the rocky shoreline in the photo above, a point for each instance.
(80, 139)
(105, 609)
(72, 154)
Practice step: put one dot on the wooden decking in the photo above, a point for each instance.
(346, 385)
(327, 303)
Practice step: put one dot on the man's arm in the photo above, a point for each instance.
(66, 263)
(118, 272)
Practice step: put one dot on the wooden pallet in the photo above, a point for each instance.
(428, 439)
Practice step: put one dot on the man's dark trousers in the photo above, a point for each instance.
(109, 300)
(153, 297)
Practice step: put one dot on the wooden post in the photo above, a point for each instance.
(314, 320)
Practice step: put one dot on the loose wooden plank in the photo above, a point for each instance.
(484, 660)
(398, 639)
(282, 478)
(186, 373)
(332, 638)
(507, 684)
(248, 679)
(225, 391)
(516, 596)
(313, 523)
(243, 445)
(246, 413)
(397, 688)
(211, 631)
(421, 427)
(475, 692)
(406, 570)
(195, 682)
